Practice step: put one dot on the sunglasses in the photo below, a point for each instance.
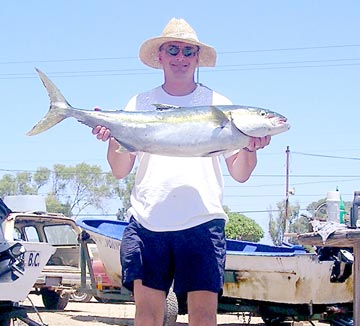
(187, 51)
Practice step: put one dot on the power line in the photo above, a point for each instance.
(105, 71)
(66, 60)
(328, 156)
(220, 68)
(286, 67)
(291, 62)
(294, 48)
(219, 52)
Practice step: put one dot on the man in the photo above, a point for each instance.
(176, 229)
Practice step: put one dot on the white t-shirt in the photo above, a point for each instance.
(176, 193)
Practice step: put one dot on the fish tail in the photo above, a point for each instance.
(58, 107)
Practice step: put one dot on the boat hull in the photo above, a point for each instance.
(291, 279)
(107, 235)
(254, 271)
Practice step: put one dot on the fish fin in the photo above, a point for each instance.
(58, 107)
(219, 117)
(163, 107)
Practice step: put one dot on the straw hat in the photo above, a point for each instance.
(176, 30)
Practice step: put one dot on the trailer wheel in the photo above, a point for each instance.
(171, 309)
(55, 301)
(79, 296)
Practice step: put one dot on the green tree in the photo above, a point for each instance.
(55, 206)
(86, 184)
(24, 184)
(317, 209)
(7, 185)
(19, 184)
(41, 177)
(70, 189)
(240, 227)
(297, 224)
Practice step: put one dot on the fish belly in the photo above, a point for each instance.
(188, 139)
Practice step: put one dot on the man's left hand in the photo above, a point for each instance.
(256, 143)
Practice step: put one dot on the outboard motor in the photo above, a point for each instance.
(12, 262)
(343, 261)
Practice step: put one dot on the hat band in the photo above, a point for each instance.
(185, 36)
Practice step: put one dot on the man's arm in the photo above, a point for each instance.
(243, 163)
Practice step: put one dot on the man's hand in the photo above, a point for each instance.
(102, 133)
(256, 143)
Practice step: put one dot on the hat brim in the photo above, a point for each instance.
(149, 51)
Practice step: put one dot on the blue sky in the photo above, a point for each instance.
(299, 58)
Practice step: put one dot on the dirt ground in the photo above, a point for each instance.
(94, 313)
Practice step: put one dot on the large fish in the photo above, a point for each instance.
(170, 130)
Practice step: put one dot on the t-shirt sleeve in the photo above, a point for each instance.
(219, 99)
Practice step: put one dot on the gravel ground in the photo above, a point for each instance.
(94, 313)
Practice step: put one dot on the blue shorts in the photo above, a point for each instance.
(194, 259)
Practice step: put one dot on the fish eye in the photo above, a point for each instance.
(263, 113)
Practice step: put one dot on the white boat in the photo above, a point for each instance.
(268, 280)
(107, 235)
(21, 262)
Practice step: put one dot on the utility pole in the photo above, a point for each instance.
(287, 191)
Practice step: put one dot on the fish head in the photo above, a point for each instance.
(258, 122)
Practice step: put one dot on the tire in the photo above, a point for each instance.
(55, 301)
(171, 309)
(79, 296)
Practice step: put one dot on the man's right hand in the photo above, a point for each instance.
(102, 133)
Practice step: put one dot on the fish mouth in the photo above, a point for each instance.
(278, 121)
(280, 127)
